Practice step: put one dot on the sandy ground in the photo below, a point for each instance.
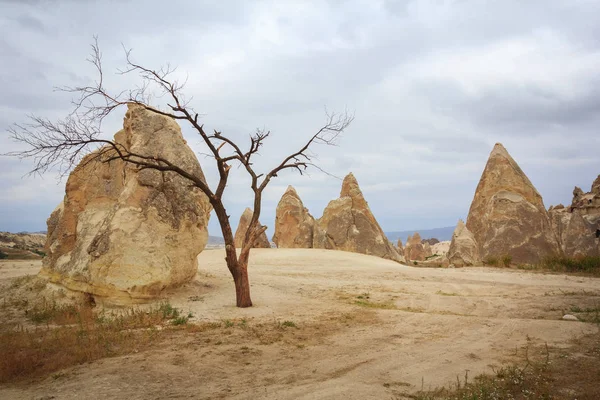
(438, 323)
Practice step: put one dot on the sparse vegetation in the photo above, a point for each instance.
(492, 261)
(506, 260)
(288, 324)
(587, 264)
(3, 255)
(559, 374)
(72, 335)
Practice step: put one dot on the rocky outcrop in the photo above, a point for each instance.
(427, 250)
(463, 251)
(400, 248)
(294, 225)
(507, 215)
(123, 234)
(578, 226)
(348, 224)
(261, 242)
(414, 250)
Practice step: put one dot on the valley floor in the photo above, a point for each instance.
(332, 325)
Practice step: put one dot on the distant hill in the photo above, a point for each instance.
(438, 233)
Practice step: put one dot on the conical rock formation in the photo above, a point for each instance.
(415, 250)
(400, 248)
(121, 234)
(507, 215)
(348, 224)
(464, 250)
(294, 225)
(261, 242)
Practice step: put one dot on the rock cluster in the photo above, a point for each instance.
(124, 234)
(261, 242)
(578, 226)
(294, 226)
(347, 224)
(507, 215)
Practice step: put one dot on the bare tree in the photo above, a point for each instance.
(63, 143)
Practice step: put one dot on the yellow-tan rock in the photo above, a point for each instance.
(463, 251)
(122, 234)
(578, 226)
(294, 225)
(348, 224)
(400, 248)
(261, 242)
(415, 250)
(507, 215)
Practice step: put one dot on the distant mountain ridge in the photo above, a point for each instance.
(441, 234)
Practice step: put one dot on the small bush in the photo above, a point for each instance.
(492, 261)
(506, 260)
(3, 255)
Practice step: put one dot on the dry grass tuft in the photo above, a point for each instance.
(67, 335)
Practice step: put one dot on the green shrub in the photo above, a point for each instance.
(493, 261)
(506, 260)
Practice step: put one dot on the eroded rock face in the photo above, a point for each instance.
(578, 226)
(261, 242)
(507, 215)
(294, 225)
(124, 235)
(463, 251)
(400, 248)
(415, 250)
(348, 224)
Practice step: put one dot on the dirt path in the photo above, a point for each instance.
(364, 328)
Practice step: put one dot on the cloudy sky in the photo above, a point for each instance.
(433, 85)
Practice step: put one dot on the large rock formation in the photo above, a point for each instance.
(125, 234)
(463, 251)
(294, 225)
(507, 215)
(348, 224)
(261, 242)
(578, 226)
(415, 250)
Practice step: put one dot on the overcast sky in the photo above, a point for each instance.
(433, 85)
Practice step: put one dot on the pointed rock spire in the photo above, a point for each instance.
(261, 242)
(293, 223)
(507, 215)
(348, 224)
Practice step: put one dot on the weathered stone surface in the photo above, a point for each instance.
(261, 242)
(400, 248)
(294, 225)
(427, 250)
(415, 250)
(348, 224)
(578, 226)
(463, 251)
(507, 215)
(122, 234)
(441, 248)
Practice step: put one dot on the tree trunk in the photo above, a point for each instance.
(237, 267)
(242, 287)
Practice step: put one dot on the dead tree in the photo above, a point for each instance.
(61, 144)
